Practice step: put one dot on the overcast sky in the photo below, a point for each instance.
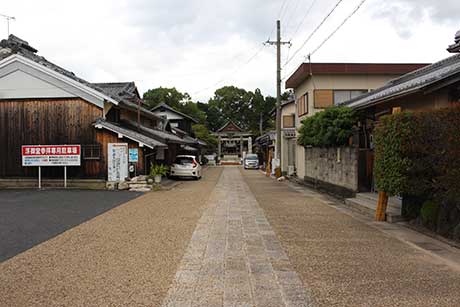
(198, 46)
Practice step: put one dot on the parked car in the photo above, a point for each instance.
(251, 161)
(186, 166)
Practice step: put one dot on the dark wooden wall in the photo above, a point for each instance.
(46, 122)
(105, 137)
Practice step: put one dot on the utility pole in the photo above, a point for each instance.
(278, 44)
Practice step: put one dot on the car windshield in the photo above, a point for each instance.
(183, 160)
(251, 157)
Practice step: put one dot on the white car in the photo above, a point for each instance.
(186, 166)
(251, 161)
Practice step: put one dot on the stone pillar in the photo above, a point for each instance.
(219, 147)
(249, 144)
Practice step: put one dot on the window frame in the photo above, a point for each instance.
(292, 116)
(364, 91)
(302, 101)
(93, 148)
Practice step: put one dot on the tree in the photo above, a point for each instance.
(202, 132)
(230, 103)
(171, 96)
(261, 107)
(331, 127)
(249, 110)
(191, 109)
(181, 102)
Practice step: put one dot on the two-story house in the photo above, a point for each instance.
(321, 85)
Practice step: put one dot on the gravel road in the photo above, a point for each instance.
(127, 256)
(345, 262)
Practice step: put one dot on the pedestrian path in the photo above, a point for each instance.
(234, 257)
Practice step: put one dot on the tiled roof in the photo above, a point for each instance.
(163, 136)
(129, 133)
(187, 137)
(126, 94)
(167, 107)
(410, 82)
(122, 92)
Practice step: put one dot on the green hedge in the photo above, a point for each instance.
(417, 155)
(391, 164)
(331, 127)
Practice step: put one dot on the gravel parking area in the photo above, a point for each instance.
(345, 262)
(127, 256)
(29, 217)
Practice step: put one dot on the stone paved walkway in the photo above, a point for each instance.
(234, 257)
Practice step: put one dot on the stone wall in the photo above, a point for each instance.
(332, 169)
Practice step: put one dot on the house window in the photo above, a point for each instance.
(302, 105)
(323, 99)
(91, 152)
(288, 121)
(341, 96)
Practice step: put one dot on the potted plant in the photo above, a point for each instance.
(157, 171)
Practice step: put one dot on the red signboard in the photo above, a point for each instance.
(51, 155)
(50, 150)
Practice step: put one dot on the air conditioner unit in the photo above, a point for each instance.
(291, 170)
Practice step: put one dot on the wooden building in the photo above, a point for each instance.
(44, 104)
(176, 118)
(181, 125)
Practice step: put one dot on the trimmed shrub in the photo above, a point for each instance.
(418, 155)
(331, 127)
(391, 162)
(429, 213)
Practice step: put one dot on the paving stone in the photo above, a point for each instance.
(234, 257)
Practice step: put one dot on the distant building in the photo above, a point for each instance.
(233, 142)
(177, 119)
(181, 125)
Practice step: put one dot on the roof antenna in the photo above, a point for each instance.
(8, 18)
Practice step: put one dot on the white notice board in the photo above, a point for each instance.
(117, 161)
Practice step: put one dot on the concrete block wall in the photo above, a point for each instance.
(332, 167)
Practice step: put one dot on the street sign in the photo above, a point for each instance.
(51, 155)
(133, 155)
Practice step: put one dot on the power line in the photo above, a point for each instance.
(303, 19)
(290, 16)
(332, 33)
(314, 31)
(280, 11)
(338, 28)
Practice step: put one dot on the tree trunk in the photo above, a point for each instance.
(380, 212)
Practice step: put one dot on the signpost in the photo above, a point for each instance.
(51, 155)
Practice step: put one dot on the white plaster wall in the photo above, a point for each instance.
(19, 84)
(169, 115)
(331, 82)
